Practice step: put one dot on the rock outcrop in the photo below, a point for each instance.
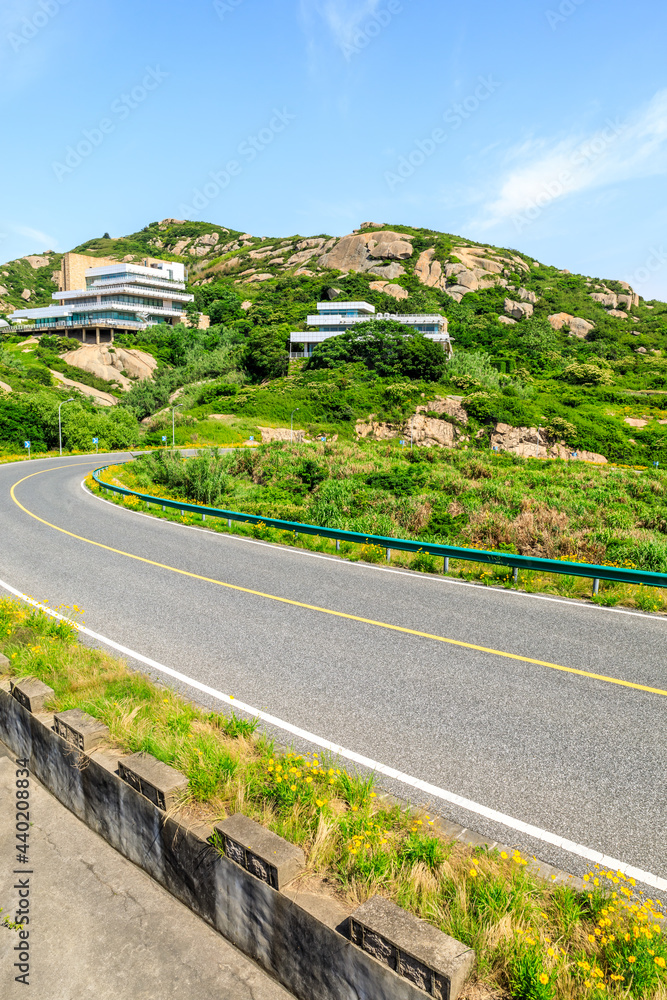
(525, 441)
(360, 252)
(578, 327)
(396, 291)
(450, 405)
(108, 362)
(426, 432)
(270, 434)
(518, 310)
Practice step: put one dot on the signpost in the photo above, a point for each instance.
(164, 439)
(26, 444)
(96, 442)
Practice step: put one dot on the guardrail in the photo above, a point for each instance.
(446, 552)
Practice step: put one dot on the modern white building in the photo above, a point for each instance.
(117, 296)
(336, 317)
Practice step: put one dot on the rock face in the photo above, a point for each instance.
(396, 291)
(360, 252)
(612, 300)
(427, 432)
(108, 363)
(36, 262)
(270, 434)
(524, 441)
(518, 310)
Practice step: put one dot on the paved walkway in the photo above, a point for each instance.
(99, 927)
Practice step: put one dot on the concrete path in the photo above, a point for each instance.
(439, 692)
(99, 927)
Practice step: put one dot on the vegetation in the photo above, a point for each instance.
(532, 939)
(558, 510)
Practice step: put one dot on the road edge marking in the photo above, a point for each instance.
(586, 853)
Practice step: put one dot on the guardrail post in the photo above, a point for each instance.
(388, 555)
(515, 574)
(596, 586)
(338, 545)
(163, 508)
(446, 564)
(203, 517)
(229, 523)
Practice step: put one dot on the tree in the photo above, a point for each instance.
(265, 355)
(386, 347)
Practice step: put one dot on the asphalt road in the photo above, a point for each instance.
(581, 758)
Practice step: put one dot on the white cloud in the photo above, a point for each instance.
(343, 18)
(540, 171)
(43, 240)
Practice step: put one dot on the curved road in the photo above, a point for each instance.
(582, 758)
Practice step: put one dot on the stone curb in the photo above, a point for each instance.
(299, 939)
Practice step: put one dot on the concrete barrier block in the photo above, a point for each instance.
(30, 692)
(4, 664)
(263, 853)
(430, 960)
(81, 729)
(159, 782)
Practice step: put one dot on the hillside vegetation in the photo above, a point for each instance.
(582, 359)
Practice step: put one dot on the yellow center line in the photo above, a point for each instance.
(328, 611)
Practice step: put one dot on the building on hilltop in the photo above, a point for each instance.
(336, 317)
(97, 298)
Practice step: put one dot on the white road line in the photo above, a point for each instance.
(594, 857)
(426, 577)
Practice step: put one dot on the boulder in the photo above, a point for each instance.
(640, 350)
(468, 280)
(527, 296)
(389, 271)
(518, 310)
(208, 239)
(315, 242)
(559, 320)
(246, 305)
(507, 320)
(3, 290)
(26, 293)
(359, 252)
(301, 258)
(180, 247)
(372, 225)
(580, 327)
(36, 261)
(396, 291)
(108, 362)
(617, 314)
(607, 299)
(390, 249)
(429, 271)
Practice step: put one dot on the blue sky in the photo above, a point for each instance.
(535, 125)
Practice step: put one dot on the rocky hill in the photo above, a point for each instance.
(534, 344)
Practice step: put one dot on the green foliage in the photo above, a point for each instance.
(266, 355)
(382, 346)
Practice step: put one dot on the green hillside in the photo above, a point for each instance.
(582, 358)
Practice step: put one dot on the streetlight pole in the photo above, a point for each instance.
(291, 425)
(173, 424)
(60, 423)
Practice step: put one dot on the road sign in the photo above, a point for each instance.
(26, 444)
(95, 440)
(164, 438)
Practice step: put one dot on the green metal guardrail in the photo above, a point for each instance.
(446, 552)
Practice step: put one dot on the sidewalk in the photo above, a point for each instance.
(99, 927)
